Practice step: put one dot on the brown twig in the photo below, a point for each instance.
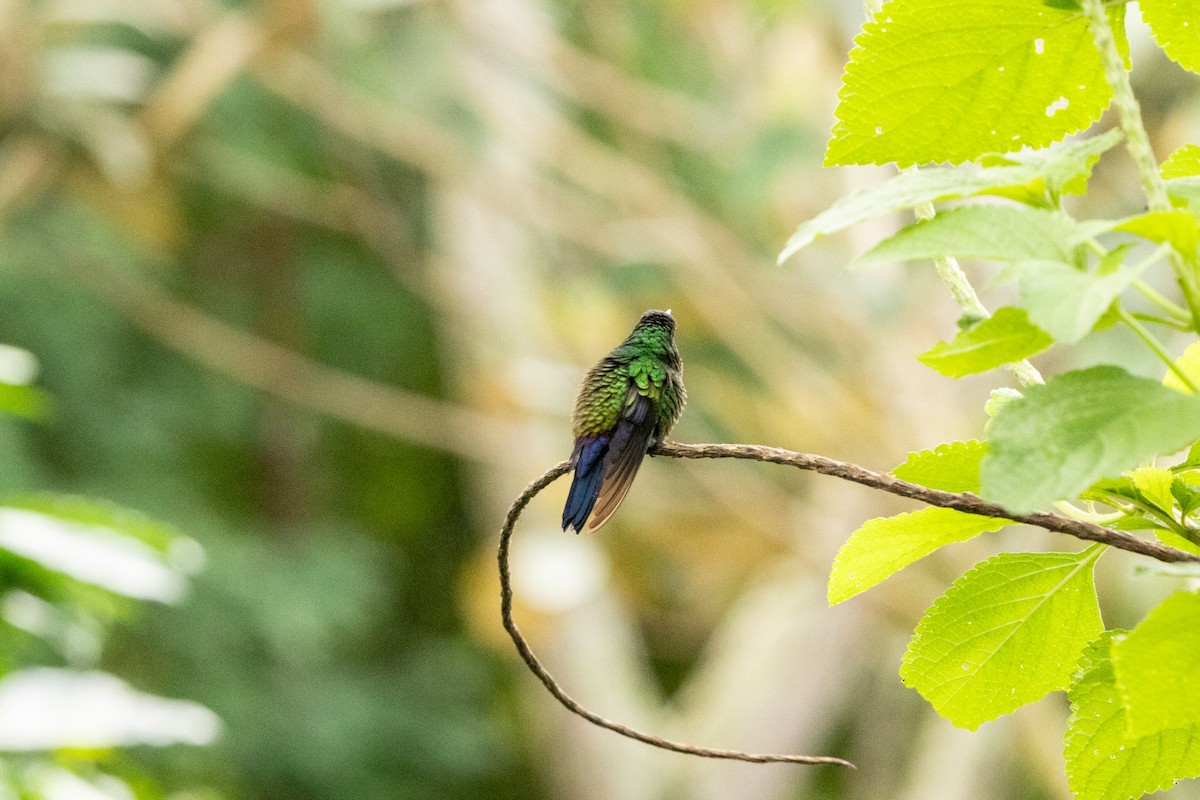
(964, 502)
(531, 660)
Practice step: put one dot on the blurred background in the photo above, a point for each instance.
(295, 296)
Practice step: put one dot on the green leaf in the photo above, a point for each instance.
(1157, 664)
(887, 545)
(951, 467)
(997, 399)
(22, 401)
(1154, 484)
(1006, 336)
(1185, 192)
(1067, 302)
(1189, 364)
(1176, 27)
(1102, 762)
(1185, 494)
(103, 514)
(1183, 163)
(1173, 539)
(903, 191)
(1026, 177)
(98, 543)
(1063, 169)
(1178, 228)
(1006, 633)
(1135, 523)
(999, 76)
(994, 232)
(1079, 427)
(1179, 569)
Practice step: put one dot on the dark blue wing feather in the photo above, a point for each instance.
(626, 449)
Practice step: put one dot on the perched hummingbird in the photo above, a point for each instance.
(626, 403)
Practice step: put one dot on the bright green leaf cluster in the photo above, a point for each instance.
(1154, 484)
(1154, 499)
(1000, 82)
(886, 545)
(1189, 364)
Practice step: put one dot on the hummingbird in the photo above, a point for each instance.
(627, 403)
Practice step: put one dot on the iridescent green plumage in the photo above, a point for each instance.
(626, 403)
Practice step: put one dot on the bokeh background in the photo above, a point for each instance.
(310, 285)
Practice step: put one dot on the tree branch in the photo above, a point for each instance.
(964, 502)
(531, 660)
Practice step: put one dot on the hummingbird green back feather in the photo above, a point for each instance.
(627, 402)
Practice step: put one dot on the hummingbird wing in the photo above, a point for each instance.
(626, 449)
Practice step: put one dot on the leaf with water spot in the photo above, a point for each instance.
(1156, 666)
(1004, 74)
(1176, 27)
(1103, 761)
(1005, 634)
(1183, 163)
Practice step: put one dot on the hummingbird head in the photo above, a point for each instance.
(657, 319)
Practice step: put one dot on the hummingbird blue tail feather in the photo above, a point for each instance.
(588, 462)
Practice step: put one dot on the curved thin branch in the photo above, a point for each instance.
(531, 660)
(965, 502)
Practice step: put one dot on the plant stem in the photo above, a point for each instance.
(1094, 517)
(1176, 313)
(968, 300)
(1169, 323)
(1138, 143)
(1149, 510)
(1154, 345)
